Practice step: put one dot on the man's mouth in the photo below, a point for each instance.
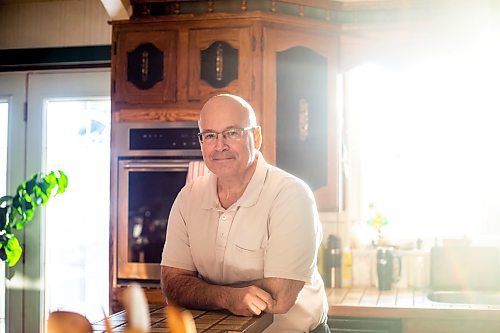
(222, 158)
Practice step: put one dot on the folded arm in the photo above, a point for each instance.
(186, 289)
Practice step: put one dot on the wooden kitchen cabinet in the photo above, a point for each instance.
(220, 59)
(298, 108)
(145, 66)
(166, 70)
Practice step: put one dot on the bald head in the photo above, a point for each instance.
(230, 157)
(229, 105)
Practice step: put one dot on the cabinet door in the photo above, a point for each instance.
(299, 118)
(364, 325)
(145, 67)
(220, 60)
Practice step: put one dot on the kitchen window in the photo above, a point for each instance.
(421, 145)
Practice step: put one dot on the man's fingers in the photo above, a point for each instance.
(254, 309)
(266, 297)
(259, 303)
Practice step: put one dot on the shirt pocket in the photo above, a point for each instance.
(248, 258)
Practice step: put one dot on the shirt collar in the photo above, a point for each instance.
(251, 194)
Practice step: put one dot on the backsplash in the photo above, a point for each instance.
(415, 264)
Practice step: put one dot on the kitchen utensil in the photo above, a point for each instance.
(388, 267)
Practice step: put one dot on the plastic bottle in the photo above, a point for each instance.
(332, 263)
(419, 272)
(347, 268)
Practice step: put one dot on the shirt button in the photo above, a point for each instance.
(223, 217)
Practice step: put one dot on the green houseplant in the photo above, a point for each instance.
(17, 210)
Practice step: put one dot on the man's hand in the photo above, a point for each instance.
(283, 291)
(248, 301)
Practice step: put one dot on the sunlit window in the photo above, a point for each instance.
(424, 144)
(77, 223)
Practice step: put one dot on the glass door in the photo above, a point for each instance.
(4, 121)
(66, 263)
(12, 172)
(69, 116)
(77, 223)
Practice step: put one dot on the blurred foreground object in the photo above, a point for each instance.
(180, 321)
(137, 309)
(68, 322)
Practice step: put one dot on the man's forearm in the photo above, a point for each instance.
(193, 292)
(186, 289)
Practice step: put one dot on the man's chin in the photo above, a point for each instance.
(222, 169)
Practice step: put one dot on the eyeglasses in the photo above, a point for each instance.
(230, 135)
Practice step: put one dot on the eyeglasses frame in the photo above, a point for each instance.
(242, 129)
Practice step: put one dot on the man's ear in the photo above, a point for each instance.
(257, 137)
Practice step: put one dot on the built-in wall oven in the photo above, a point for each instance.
(151, 161)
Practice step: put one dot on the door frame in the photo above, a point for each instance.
(26, 155)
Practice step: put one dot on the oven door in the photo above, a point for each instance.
(147, 189)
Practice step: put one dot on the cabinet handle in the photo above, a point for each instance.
(145, 66)
(219, 62)
(244, 5)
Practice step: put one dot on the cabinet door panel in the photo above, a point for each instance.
(301, 115)
(145, 70)
(222, 52)
(299, 119)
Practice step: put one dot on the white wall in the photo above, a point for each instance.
(53, 24)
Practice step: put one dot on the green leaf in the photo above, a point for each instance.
(13, 218)
(62, 182)
(3, 217)
(13, 251)
(47, 187)
(41, 197)
(5, 198)
(16, 211)
(30, 184)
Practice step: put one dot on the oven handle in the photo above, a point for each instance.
(156, 165)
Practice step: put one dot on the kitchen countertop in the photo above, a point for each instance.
(401, 303)
(205, 321)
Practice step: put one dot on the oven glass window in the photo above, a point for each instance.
(151, 195)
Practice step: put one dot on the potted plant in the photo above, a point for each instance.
(16, 211)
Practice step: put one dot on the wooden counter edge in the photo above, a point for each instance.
(413, 312)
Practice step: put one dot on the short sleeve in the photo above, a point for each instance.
(294, 234)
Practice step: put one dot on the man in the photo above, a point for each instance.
(244, 237)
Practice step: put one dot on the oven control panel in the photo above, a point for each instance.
(156, 139)
(163, 138)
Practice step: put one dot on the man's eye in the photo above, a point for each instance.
(209, 136)
(232, 133)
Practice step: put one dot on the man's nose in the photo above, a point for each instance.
(220, 142)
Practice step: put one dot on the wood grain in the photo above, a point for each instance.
(205, 321)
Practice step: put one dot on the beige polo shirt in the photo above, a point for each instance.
(273, 230)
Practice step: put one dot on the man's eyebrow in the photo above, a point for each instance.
(225, 128)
